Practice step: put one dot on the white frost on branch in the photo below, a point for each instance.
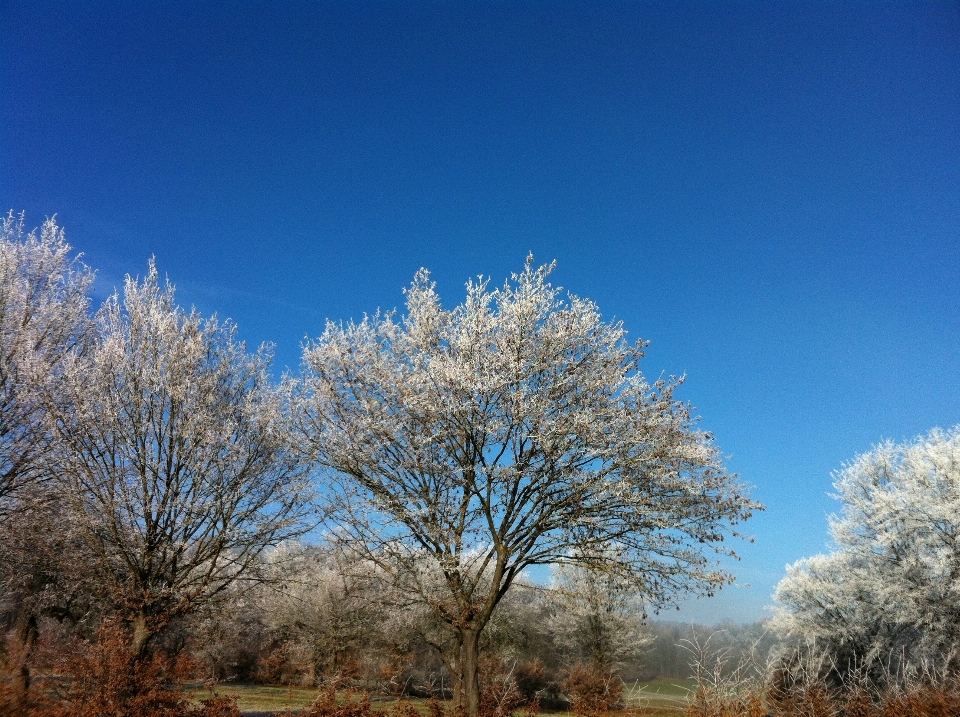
(498, 435)
(44, 308)
(174, 455)
(892, 582)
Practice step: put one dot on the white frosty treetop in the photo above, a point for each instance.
(513, 430)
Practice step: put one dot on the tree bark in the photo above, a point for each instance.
(456, 678)
(455, 668)
(470, 673)
(142, 633)
(450, 654)
(26, 637)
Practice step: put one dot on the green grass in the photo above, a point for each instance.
(657, 698)
(666, 696)
(262, 698)
(259, 698)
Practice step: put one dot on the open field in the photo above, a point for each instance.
(665, 696)
(657, 698)
(259, 698)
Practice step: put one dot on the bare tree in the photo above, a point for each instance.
(175, 459)
(43, 317)
(514, 430)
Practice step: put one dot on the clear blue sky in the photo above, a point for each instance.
(768, 192)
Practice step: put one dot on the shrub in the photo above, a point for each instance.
(532, 680)
(106, 679)
(591, 691)
(216, 707)
(278, 666)
(326, 705)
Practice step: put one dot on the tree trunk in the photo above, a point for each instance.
(470, 673)
(25, 639)
(457, 680)
(141, 636)
(455, 668)
(451, 660)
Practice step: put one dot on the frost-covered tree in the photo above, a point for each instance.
(511, 431)
(174, 457)
(890, 589)
(596, 619)
(43, 317)
(321, 608)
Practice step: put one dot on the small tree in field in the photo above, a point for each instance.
(889, 594)
(595, 619)
(514, 430)
(174, 458)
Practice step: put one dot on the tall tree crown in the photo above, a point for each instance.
(44, 316)
(175, 456)
(514, 430)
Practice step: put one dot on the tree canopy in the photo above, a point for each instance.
(43, 318)
(513, 430)
(174, 456)
(890, 589)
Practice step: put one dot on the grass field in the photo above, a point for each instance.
(658, 698)
(259, 698)
(666, 697)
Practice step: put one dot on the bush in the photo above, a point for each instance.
(532, 680)
(326, 705)
(809, 685)
(278, 666)
(591, 691)
(216, 707)
(106, 679)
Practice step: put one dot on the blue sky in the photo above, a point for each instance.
(768, 192)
